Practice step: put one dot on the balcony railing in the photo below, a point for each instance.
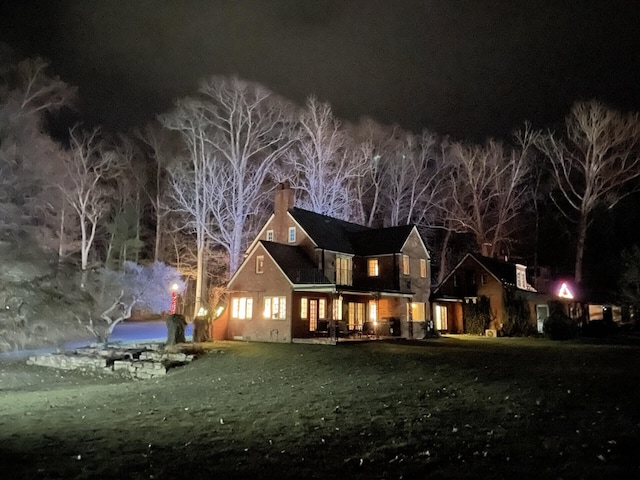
(308, 275)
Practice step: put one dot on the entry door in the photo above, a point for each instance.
(441, 318)
(542, 313)
(313, 314)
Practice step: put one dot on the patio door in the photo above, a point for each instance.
(441, 322)
(313, 314)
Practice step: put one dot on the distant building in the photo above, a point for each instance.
(477, 277)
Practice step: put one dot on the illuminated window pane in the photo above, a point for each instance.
(418, 312)
(355, 318)
(423, 268)
(242, 308)
(343, 270)
(373, 310)
(303, 308)
(275, 308)
(373, 267)
(405, 264)
(322, 308)
(337, 309)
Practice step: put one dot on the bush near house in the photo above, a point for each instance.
(517, 315)
(558, 326)
(477, 316)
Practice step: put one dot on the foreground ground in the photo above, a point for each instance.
(442, 408)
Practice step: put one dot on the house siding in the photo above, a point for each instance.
(465, 284)
(271, 283)
(392, 291)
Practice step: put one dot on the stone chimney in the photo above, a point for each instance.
(283, 199)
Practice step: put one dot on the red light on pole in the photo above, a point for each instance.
(174, 298)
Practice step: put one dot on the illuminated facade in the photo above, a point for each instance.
(308, 275)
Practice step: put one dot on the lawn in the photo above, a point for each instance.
(439, 409)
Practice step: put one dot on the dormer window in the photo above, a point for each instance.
(292, 234)
(343, 270)
(521, 277)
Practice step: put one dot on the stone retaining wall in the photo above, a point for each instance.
(135, 361)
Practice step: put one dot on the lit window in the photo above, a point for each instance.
(275, 308)
(355, 317)
(405, 264)
(343, 270)
(322, 308)
(269, 235)
(418, 312)
(373, 267)
(260, 264)
(242, 308)
(423, 268)
(337, 309)
(303, 308)
(373, 311)
(292, 234)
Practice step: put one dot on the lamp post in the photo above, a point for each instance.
(174, 298)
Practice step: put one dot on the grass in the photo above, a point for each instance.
(446, 408)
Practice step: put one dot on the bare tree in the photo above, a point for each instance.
(411, 180)
(163, 148)
(116, 293)
(234, 132)
(87, 169)
(486, 192)
(128, 181)
(29, 157)
(36, 92)
(596, 162)
(323, 163)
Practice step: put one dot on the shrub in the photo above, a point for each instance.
(559, 326)
(477, 316)
(599, 328)
(516, 322)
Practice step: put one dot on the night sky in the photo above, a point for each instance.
(466, 68)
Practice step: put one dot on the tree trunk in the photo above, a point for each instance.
(443, 257)
(580, 245)
(200, 275)
(61, 237)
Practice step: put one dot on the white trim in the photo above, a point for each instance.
(257, 237)
(415, 229)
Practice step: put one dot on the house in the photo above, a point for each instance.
(479, 279)
(308, 275)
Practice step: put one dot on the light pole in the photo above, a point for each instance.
(174, 298)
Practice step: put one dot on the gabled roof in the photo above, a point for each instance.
(295, 264)
(327, 232)
(505, 272)
(345, 237)
(380, 241)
